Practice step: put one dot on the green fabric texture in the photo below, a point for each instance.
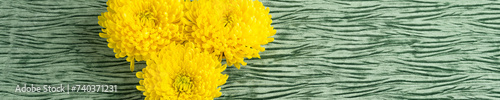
(323, 50)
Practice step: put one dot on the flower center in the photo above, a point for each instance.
(228, 19)
(183, 84)
(147, 18)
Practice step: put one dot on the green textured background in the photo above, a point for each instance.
(323, 49)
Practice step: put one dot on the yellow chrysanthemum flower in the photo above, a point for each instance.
(182, 72)
(232, 29)
(137, 28)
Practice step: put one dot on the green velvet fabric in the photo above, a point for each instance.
(323, 50)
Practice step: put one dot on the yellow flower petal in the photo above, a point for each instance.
(182, 72)
(139, 27)
(235, 29)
